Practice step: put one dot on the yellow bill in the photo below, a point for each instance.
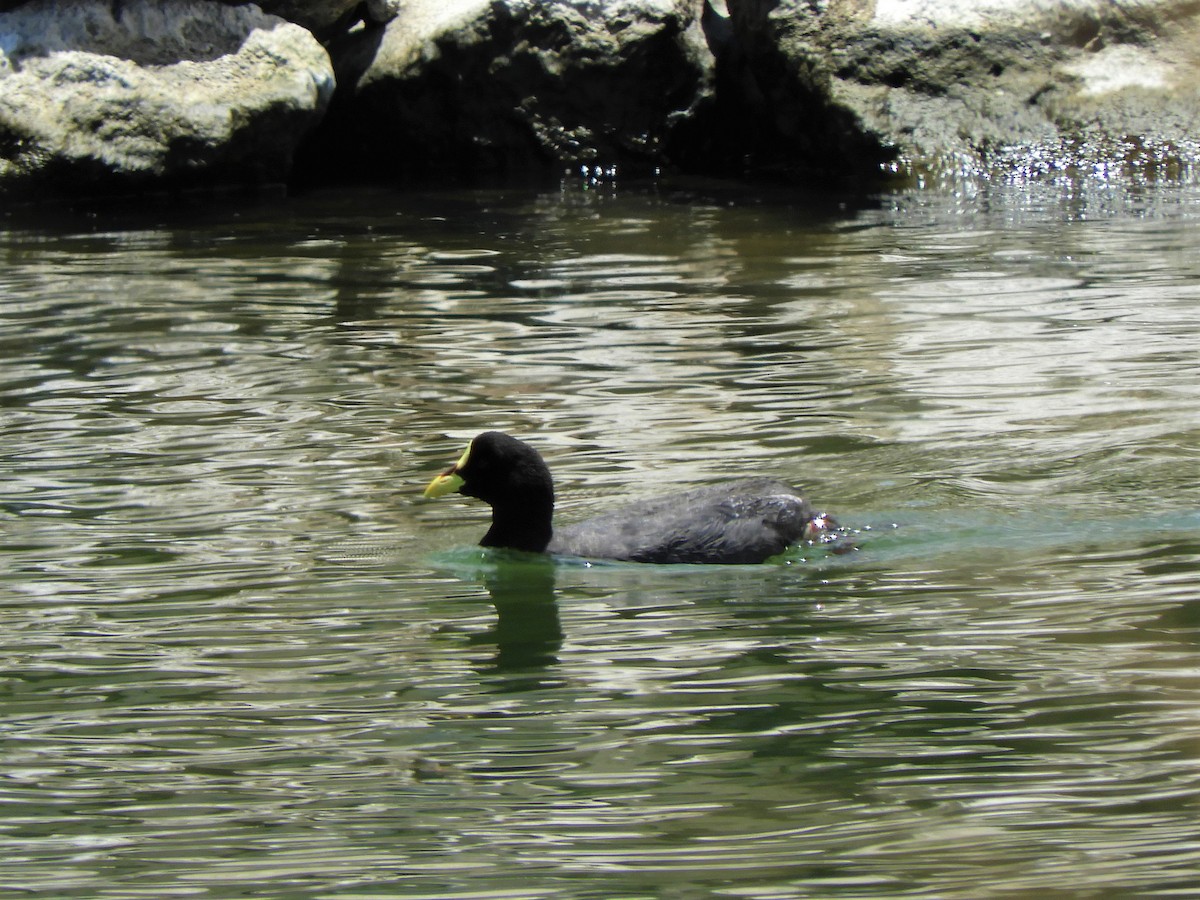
(449, 481)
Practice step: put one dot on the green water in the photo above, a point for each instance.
(240, 656)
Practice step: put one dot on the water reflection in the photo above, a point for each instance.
(241, 656)
(528, 633)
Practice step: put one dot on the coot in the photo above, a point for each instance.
(743, 521)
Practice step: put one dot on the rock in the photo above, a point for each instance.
(382, 11)
(957, 89)
(328, 18)
(99, 96)
(479, 86)
(318, 16)
(128, 94)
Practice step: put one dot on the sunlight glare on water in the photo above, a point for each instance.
(243, 656)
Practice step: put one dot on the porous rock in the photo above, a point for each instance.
(971, 88)
(96, 96)
(511, 85)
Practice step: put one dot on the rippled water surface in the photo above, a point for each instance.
(242, 656)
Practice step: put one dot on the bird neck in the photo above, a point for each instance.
(521, 525)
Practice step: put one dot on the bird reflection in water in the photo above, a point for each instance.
(528, 633)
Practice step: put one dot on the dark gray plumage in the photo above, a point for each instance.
(743, 521)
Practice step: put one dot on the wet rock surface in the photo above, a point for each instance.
(986, 88)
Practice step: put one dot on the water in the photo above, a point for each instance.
(242, 657)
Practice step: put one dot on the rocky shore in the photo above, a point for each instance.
(130, 95)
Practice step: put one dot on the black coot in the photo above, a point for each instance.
(743, 521)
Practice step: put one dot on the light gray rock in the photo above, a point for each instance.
(96, 96)
(476, 86)
(974, 88)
